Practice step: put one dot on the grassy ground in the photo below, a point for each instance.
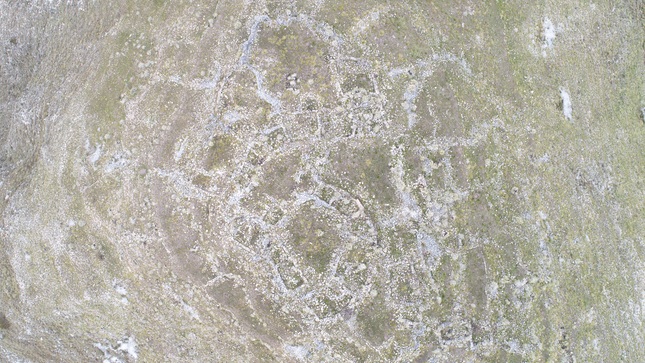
(322, 181)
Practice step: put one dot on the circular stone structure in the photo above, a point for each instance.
(322, 181)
